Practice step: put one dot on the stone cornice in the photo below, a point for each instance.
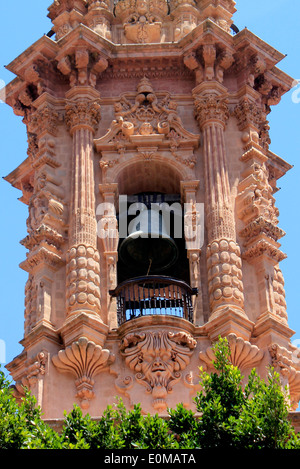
(47, 48)
(247, 39)
(119, 57)
(43, 48)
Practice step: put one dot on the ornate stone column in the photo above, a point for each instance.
(47, 214)
(261, 234)
(83, 268)
(223, 253)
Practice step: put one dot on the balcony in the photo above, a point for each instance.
(153, 295)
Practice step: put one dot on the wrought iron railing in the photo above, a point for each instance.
(153, 295)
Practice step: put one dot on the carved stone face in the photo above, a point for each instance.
(157, 358)
(158, 367)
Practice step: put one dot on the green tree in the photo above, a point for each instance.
(21, 426)
(233, 416)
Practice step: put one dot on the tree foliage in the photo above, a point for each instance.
(227, 415)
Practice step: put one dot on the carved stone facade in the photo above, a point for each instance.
(159, 104)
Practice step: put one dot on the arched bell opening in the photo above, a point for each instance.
(151, 221)
(153, 273)
(152, 242)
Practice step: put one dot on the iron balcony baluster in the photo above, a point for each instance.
(160, 295)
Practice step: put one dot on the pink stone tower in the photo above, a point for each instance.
(138, 110)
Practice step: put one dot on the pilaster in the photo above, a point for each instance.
(46, 222)
(109, 237)
(83, 267)
(194, 238)
(224, 263)
(256, 208)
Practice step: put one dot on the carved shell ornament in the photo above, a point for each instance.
(157, 359)
(242, 354)
(83, 359)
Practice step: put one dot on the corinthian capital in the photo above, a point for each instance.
(248, 113)
(211, 108)
(83, 114)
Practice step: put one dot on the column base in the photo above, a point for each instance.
(269, 330)
(227, 321)
(84, 324)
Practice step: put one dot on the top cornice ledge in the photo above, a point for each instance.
(60, 6)
(42, 48)
(245, 38)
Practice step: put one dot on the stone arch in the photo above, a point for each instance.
(152, 174)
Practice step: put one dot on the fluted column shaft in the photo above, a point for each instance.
(223, 253)
(83, 269)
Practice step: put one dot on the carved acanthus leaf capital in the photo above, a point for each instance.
(248, 113)
(211, 108)
(82, 114)
(44, 120)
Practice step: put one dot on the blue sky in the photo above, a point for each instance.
(274, 21)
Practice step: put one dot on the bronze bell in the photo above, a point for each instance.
(148, 247)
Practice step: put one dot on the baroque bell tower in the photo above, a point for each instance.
(152, 226)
